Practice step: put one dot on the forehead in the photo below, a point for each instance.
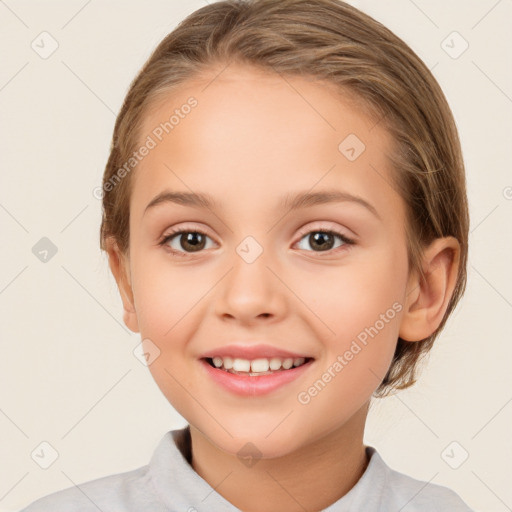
(242, 94)
(261, 133)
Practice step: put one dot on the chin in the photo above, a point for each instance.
(265, 438)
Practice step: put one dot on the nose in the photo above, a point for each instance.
(251, 291)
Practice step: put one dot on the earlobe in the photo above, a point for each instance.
(428, 296)
(119, 266)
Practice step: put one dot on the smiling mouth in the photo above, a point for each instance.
(256, 367)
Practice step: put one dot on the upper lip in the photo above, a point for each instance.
(251, 352)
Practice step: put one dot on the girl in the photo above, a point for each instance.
(285, 214)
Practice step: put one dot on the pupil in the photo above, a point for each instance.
(323, 241)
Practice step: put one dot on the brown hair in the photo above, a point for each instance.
(331, 41)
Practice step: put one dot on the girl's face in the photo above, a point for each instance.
(256, 266)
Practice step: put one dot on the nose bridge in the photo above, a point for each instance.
(251, 289)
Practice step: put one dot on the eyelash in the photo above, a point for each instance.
(180, 231)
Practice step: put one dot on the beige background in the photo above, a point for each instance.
(68, 374)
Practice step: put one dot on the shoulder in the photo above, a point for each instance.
(121, 492)
(403, 491)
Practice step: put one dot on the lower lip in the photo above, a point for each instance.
(245, 385)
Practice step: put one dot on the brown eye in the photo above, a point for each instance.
(192, 241)
(186, 241)
(321, 241)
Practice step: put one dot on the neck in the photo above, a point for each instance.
(310, 478)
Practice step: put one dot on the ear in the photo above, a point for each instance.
(428, 297)
(120, 266)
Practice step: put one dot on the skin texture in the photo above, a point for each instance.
(252, 139)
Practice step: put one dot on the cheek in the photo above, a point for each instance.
(165, 294)
(347, 299)
(168, 305)
(359, 307)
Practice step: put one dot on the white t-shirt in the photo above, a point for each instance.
(170, 484)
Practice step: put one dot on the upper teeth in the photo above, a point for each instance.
(256, 365)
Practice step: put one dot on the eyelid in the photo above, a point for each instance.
(320, 226)
(186, 228)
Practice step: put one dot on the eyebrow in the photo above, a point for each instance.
(291, 203)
